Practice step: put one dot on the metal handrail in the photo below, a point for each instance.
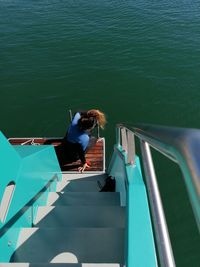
(183, 147)
(160, 225)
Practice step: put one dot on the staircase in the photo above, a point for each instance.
(78, 226)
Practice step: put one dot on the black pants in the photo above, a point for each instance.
(68, 152)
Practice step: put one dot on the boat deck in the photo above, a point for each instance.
(95, 154)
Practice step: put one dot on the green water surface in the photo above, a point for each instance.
(138, 61)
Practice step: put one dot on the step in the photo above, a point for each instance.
(20, 264)
(84, 176)
(74, 245)
(80, 177)
(83, 198)
(77, 186)
(81, 216)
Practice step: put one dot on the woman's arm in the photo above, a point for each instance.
(75, 119)
(82, 168)
(81, 154)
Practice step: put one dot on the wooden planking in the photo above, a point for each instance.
(95, 154)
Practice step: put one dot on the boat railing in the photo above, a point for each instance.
(181, 146)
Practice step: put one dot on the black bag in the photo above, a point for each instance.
(109, 185)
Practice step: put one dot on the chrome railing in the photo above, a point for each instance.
(183, 147)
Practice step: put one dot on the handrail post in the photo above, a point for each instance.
(131, 147)
(70, 115)
(124, 139)
(162, 235)
(98, 132)
(118, 135)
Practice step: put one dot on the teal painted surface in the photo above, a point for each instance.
(8, 243)
(8, 158)
(24, 151)
(31, 169)
(140, 246)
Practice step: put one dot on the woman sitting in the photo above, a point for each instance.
(77, 139)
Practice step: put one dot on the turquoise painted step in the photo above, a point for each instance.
(84, 176)
(81, 216)
(59, 265)
(83, 198)
(81, 245)
(77, 177)
(77, 186)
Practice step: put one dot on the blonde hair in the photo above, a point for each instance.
(100, 116)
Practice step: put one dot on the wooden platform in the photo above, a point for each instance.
(95, 154)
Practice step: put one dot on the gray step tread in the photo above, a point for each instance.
(86, 245)
(78, 186)
(80, 216)
(83, 198)
(20, 264)
(82, 178)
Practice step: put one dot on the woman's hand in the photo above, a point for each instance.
(82, 168)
